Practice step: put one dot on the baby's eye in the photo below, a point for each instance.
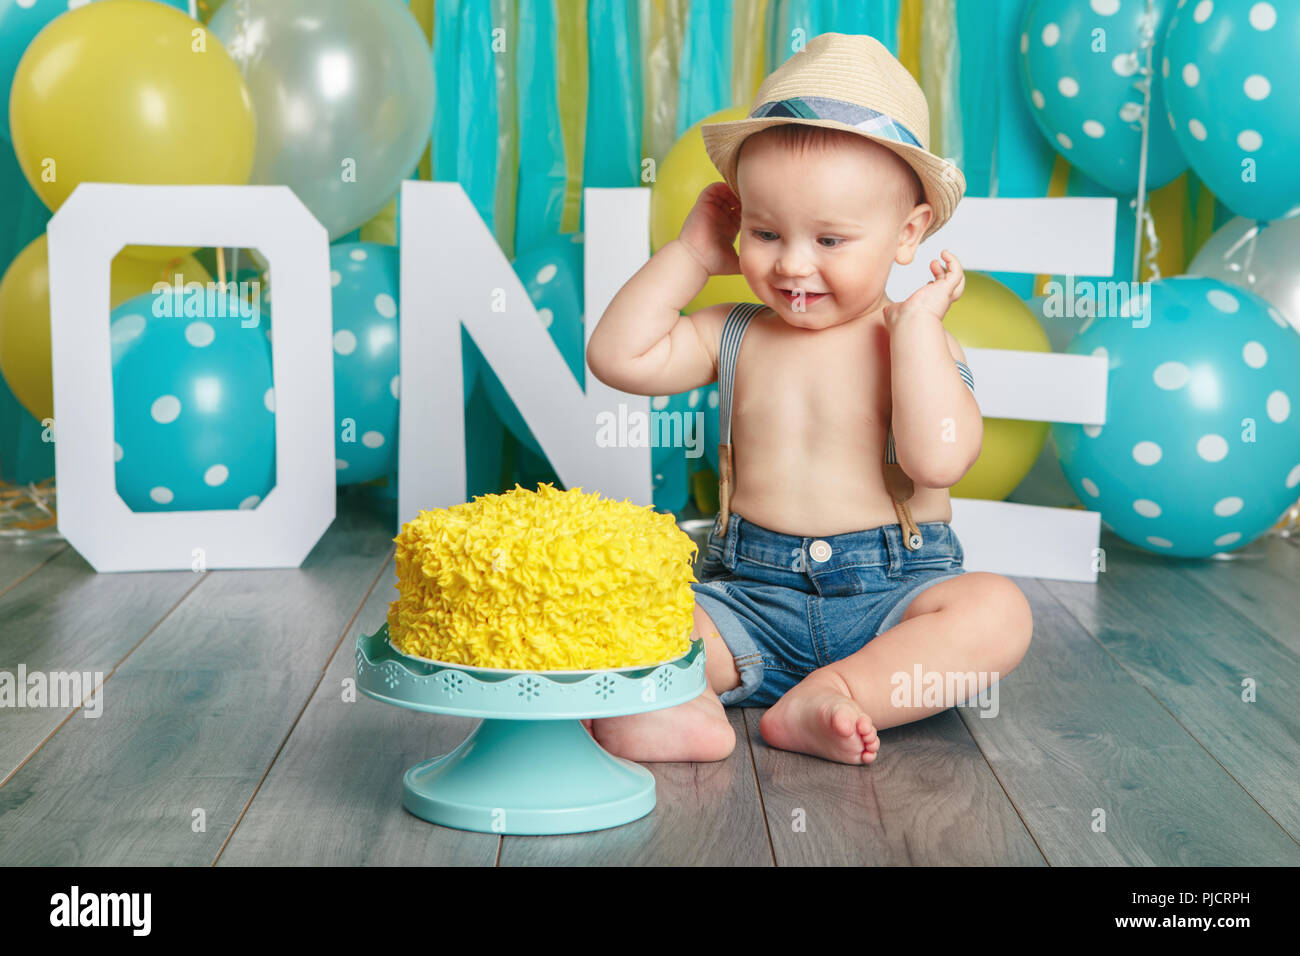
(761, 233)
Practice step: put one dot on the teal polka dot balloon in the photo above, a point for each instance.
(1080, 69)
(1232, 83)
(364, 280)
(1200, 452)
(193, 404)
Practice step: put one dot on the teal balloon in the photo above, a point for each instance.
(1200, 452)
(193, 406)
(1233, 85)
(551, 274)
(685, 436)
(676, 421)
(367, 360)
(344, 98)
(1085, 100)
(672, 486)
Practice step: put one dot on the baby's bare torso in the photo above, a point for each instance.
(810, 416)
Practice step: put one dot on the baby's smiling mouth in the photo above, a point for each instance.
(792, 295)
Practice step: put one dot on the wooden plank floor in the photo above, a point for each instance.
(1154, 721)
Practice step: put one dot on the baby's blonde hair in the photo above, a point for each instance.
(800, 138)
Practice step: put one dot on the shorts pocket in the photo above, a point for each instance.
(940, 552)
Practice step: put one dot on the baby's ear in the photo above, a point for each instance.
(913, 228)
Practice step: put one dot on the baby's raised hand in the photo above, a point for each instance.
(709, 232)
(934, 297)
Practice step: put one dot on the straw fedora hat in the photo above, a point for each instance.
(853, 83)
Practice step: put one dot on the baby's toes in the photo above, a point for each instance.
(842, 721)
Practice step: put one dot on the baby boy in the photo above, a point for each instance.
(831, 581)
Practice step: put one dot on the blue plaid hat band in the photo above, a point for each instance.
(851, 114)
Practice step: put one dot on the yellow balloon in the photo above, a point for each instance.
(129, 91)
(990, 316)
(383, 227)
(25, 314)
(684, 172)
(132, 277)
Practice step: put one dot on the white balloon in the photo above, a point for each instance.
(343, 91)
(1266, 262)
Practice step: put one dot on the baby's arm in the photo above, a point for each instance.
(643, 344)
(937, 427)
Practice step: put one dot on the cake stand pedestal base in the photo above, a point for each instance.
(529, 777)
(529, 767)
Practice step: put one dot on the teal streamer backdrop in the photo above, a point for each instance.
(1002, 153)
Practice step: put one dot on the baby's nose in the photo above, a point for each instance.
(793, 268)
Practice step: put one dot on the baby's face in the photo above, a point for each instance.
(828, 222)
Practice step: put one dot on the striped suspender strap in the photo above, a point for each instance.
(966, 376)
(733, 330)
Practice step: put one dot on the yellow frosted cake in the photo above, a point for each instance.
(544, 580)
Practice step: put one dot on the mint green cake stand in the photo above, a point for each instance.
(530, 767)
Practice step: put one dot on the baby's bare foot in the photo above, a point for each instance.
(697, 730)
(824, 723)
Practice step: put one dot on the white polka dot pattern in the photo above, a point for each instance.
(1200, 452)
(1078, 89)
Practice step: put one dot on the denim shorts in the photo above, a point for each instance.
(787, 605)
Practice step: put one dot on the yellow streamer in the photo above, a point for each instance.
(748, 61)
(571, 91)
(938, 64)
(1167, 205)
(909, 37)
(1203, 228)
(423, 11)
(663, 24)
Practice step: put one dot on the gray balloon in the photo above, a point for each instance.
(343, 91)
(1266, 262)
